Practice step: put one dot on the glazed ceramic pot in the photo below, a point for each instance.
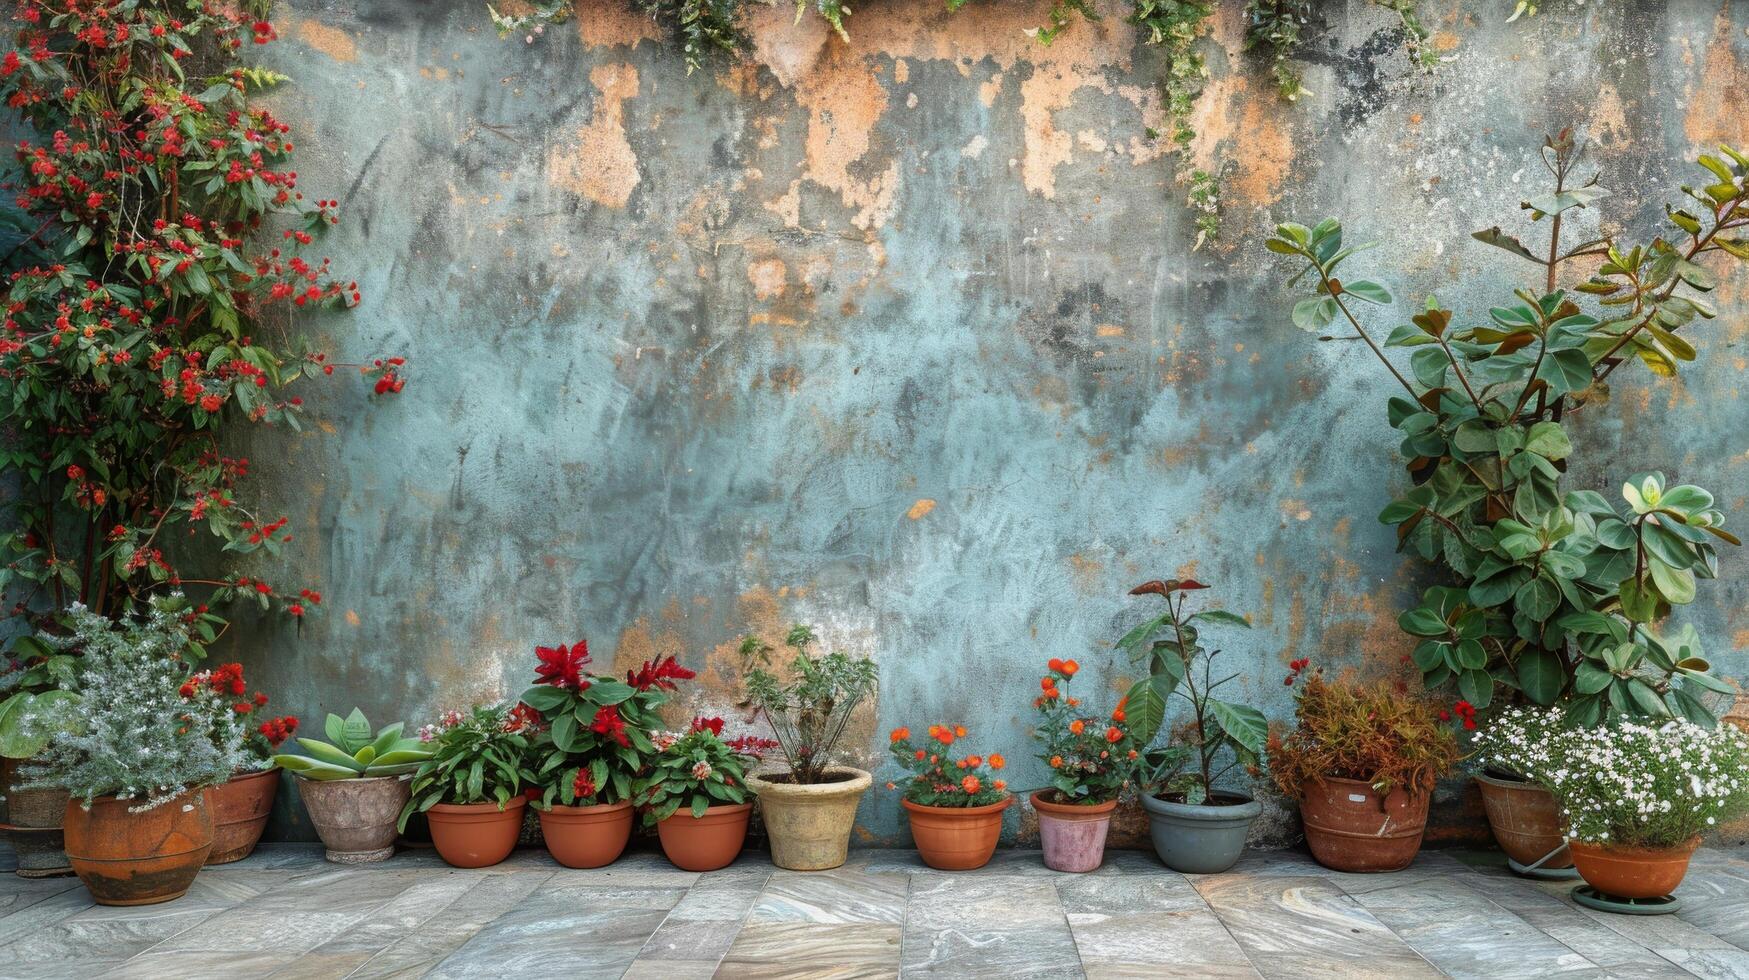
(356, 817)
(1526, 822)
(1072, 835)
(128, 858)
(809, 823)
(1204, 838)
(476, 835)
(586, 836)
(1352, 827)
(1633, 872)
(953, 838)
(705, 843)
(241, 806)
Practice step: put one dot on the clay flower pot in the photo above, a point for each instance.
(586, 836)
(127, 858)
(476, 835)
(705, 843)
(1352, 827)
(809, 823)
(1526, 822)
(952, 838)
(34, 828)
(241, 806)
(1073, 835)
(356, 817)
(1632, 872)
(1200, 839)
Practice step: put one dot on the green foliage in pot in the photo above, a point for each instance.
(809, 712)
(597, 738)
(478, 756)
(1557, 590)
(353, 751)
(1220, 734)
(1374, 733)
(131, 732)
(698, 769)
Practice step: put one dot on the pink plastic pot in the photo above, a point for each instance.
(1073, 835)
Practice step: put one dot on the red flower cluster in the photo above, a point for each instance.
(522, 717)
(608, 722)
(1464, 711)
(583, 787)
(1294, 669)
(660, 673)
(752, 745)
(713, 725)
(277, 730)
(562, 666)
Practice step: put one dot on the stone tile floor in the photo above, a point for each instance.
(286, 913)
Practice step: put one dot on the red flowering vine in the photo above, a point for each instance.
(166, 229)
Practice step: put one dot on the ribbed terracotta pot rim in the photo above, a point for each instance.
(1633, 851)
(858, 783)
(579, 809)
(717, 810)
(1070, 811)
(485, 810)
(970, 811)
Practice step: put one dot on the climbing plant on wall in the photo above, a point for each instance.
(157, 261)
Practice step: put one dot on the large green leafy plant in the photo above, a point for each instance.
(1557, 591)
(1220, 734)
(477, 756)
(353, 751)
(809, 712)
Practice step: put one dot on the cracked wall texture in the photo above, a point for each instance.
(903, 337)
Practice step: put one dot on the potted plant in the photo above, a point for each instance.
(1524, 817)
(471, 788)
(1361, 761)
(595, 746)
(1555, 592)
(696, 795)
(954, 806)
(1090, 762)
(1197, 827)
(1637, 796)
(137, 758)
(242, 804)
(809, 806)
(355, 784)
(43, 669)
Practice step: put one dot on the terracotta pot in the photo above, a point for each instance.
(586, 836)
(476, 835)
(705, 843)
(1072, 835)
(1632, 872)
(1352, 827)
(356, 817)
(241, 806)
(956, 838)
(809, 823)
(1526, 822)
(127, 858)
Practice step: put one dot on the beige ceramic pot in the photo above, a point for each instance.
(809, 823)
(356, 817)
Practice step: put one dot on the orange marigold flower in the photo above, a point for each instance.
(1077, 726)
(972, 762)
(996, 760)
(900, 734)
(1113, 734)
(1132, 753)
(1046, 683)
(1000, 785)
(959, 731)
(1055, 663)
(1056, 762)
(1070, 667)
(1117, 715)
(919, 753)
(1053, 694)
(1074, 702)
(970, 784)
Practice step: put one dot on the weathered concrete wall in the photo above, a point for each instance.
(904, 338)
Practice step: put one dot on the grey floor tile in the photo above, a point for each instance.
(1156, 923)
(690, 939)
(808, 949)
(1465, 935)
(837, 896)
(200, 966)
(448, 930)
(1011, 926)
(1302, 926)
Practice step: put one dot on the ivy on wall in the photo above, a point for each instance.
(708, 29)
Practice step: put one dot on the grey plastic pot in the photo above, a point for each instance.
(1200, 840)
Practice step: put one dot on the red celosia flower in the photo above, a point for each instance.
(608, 722)
(562, 666)
(660, 673)
(583, 786)
(713, 725)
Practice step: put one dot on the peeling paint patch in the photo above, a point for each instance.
(1718, 104)
(920, 508)
(615, 25)
(975, 148)
(600, 164)
(331, 41)
(768, 278)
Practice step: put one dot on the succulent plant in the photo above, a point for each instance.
(353, 752)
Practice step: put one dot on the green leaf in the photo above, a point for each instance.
(1314, 314)
(355, 732)
(1222, 616)
(1540, 676)
(1371, 292)
(1145, 708)
(545, 698)
(1548, 440)
(564, 732)
(1477, 687)
(1499, 239)
(1566, 371)
(1676, 585)
(1243, 723)
(1422, 621)
(1588, 678)
(332, 755)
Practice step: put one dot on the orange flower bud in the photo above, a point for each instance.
(959, 731)
(1056, 762)
(1000, 785)
(919, 753)
(1070, 667)
(970, 784)
(996, 760)
(1077, 726)
(900, 734)
(1113, 734)
(972, 762)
